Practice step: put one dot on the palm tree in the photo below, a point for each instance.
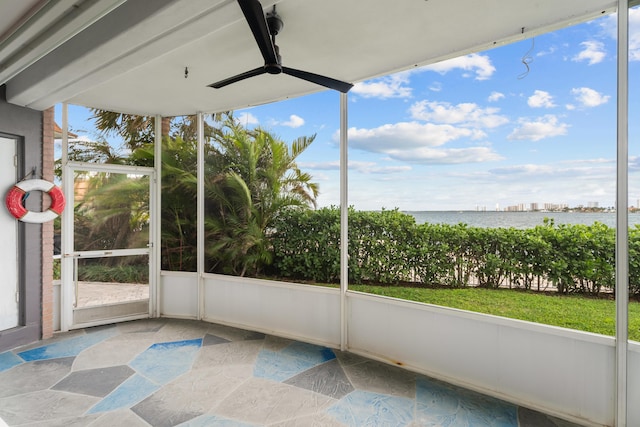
(251, 178)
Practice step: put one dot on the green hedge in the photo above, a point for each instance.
(389, 248)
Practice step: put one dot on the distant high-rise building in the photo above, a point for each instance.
(533, 207)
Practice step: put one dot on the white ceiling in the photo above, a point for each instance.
(123, 55)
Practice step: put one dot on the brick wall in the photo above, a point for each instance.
(47, 228)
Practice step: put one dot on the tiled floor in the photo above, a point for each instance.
(174, 372)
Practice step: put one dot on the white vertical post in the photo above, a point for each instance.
(200, 216)
(622, 219)
(67, 283)
(344, 221)
(155, 202)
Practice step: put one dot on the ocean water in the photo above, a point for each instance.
(516, 219)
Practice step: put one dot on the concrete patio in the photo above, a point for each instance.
(166, 372)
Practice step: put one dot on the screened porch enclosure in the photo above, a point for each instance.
(175, 51)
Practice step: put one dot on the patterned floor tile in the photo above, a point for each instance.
(165, 361)
(192, 394)
(102, 355)
(129, 393)
(278, 367)
(43, 405)
(328, 379)
(348, 359)
(234, 334)
(68, 347)
(141, 326)
(81, 421)
(157, 415)
(362, 408)
(292, 360)
(8, 360)
(439, 404)
(379, 377)
(312, 353)
(210, 339)
(182, 330)
(274, 343)
(530, 418)
(316, 420)
(264, 402)
(120, 418)
(194, 374)
(214, 421)
(97, 382)
(230, 354)
(34, 376)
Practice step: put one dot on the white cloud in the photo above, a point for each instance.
(374, 168)
(465, 114)
(479, 64)
(495, 96)
(541, 98)
(609, 26)
(527, 169)
(634, 34)
(427, 155)
(246, 118)
(294, 121)
(404, 135)
(588, 97)
(435, 87)
(543, 127)
(327, 166)
(82, 138)
(551, 50)
(593, 51)
(360, 166)
(393, 86)
(415, 142)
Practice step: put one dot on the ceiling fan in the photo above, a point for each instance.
(265, 30)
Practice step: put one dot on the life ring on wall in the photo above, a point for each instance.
(15, 201)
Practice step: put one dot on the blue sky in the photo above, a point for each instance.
(531, 122)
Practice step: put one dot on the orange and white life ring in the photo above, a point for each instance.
(15, 201)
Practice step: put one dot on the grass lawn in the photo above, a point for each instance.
(569, 311)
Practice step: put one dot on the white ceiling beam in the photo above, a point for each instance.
(48, 28)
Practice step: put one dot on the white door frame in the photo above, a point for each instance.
(10, 284)
(68, 253)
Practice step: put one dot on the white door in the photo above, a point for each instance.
(9, 244)
(112, 247)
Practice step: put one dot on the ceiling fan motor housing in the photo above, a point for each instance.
(274, 22)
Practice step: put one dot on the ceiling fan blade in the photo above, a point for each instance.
(254, 15)
(237, 78)
(318, 79)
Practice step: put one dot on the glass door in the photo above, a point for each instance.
(111, 244)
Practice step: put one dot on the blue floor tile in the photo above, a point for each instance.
(277, 366)
(8, 360)
(363, 408)
(67, 348)
(162, 362)
(440, 404)
(129, 393)
(290, 361)
(312, 353)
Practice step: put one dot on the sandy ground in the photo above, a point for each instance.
(98, 293)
